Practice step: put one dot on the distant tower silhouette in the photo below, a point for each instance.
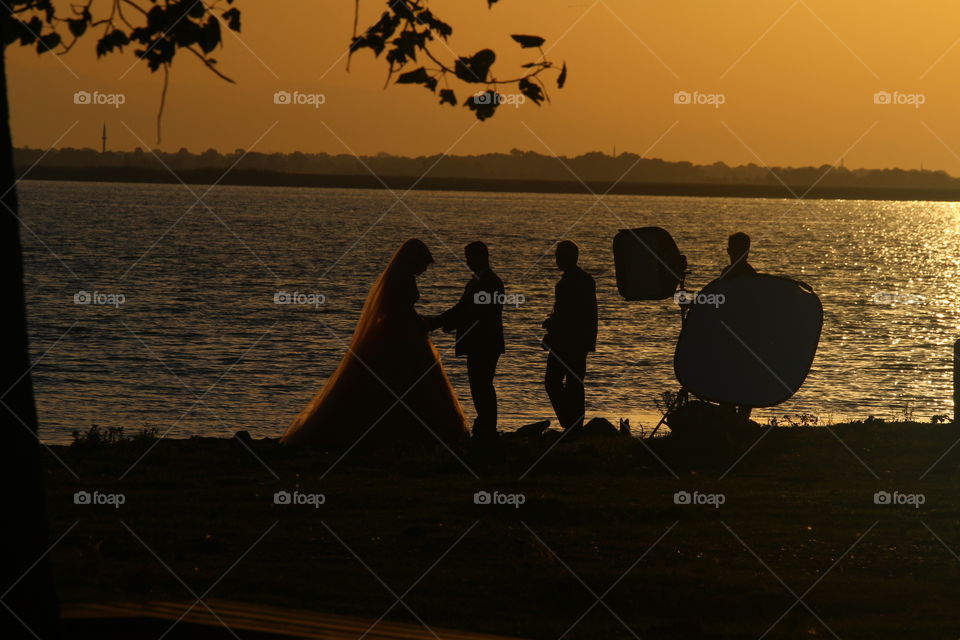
(103, 148)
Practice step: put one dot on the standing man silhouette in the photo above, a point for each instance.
(571, 335)
(478, 320)
(738, 249)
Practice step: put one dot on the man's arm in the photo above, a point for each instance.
(479, 302)
(455, 316)
(549, 324)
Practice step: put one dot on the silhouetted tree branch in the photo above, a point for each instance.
(408, 28)
(161, 30)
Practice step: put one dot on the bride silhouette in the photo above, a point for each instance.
(390, 357)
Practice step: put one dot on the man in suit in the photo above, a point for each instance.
(571, 335)
(478, 320)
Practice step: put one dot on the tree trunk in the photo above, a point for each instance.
(30, 609)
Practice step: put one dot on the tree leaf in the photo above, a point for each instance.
(373, 42)
(28, 30)
(562, 78)
(116, 39)
(210, 35)
(442, 28)
(418, 76)
(531, 90)
(447, 96)
(157, 19)
(528, 42)
(232, 16)
(405, 46)
(77, 27)
(194, 9)
(402, 8)
(484, 105)
(475, 68)
(48, 42)
(186, 33)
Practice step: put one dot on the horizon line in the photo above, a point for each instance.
(835, 166)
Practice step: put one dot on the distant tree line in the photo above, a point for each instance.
(516, 165)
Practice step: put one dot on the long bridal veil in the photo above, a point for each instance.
(390, 385)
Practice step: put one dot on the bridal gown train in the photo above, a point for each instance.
(390, 386)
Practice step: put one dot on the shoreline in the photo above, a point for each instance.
(252, 178)
(641, 425)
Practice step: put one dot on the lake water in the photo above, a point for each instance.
(198, 317)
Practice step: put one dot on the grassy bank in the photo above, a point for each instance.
(798, 507)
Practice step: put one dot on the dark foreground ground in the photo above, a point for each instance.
(599, 549)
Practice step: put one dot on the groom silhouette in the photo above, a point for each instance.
(478, 320)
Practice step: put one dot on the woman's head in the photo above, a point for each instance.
(414, 256)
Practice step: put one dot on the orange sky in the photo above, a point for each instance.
(797, 80)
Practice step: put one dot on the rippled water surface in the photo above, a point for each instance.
(199, 346)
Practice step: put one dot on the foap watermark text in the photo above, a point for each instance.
(297, 297)
(297, 498)
(99, 298)
(693, 297)
(514, 500)
(715, 100)
(115, 100)
(697, 498)
(892, 297)
(298, 98)
(492, 97)
(114, 500)
(897, 498)
(898, 98)
(498, 297)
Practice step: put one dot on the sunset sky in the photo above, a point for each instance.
(797, 80)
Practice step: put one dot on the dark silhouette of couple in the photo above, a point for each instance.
(391, 385)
